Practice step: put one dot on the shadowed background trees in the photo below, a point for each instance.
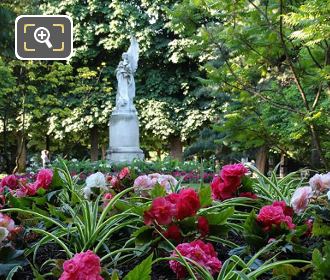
(244, 80)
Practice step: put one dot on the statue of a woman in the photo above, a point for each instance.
(125, 77)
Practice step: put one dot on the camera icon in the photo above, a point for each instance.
(39, 37)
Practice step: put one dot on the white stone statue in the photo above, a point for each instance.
(124, 135)
(125, 77)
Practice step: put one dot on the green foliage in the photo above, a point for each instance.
(271, 73)
(142, 271)
(274, 188)
(158, 191)
(321, 262)
(205, 196)
(252, 231)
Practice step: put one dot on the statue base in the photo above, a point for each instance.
(124, 137)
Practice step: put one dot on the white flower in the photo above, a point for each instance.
(167, 181)
(3, 233)
(328, 194)
(320, 182)
(300, 199)
(96, 180)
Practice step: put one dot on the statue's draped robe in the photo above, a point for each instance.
(126, 86)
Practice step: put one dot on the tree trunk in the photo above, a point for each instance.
(159, 153)
(47, 142)
(283, 165)
(5, 142)
(94, 138)
(104, 151)
(176, 147)
(261, 159)
(21, 153)
(317, 159)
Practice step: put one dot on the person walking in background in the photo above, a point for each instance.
(45, 158)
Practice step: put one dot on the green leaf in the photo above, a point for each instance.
(57, 181)
(158, 191)
(219, 218)
(205, 196)
(320, 229)
(115, 275)
(252, 231)
(41, 192)
(142, 271)
(143, 235)
(287, 270)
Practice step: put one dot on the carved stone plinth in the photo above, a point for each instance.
(124, 143)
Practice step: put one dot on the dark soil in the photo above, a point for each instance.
(47, 252)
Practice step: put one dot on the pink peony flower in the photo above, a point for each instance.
(161, 211)
(115, 182)
(143, 184)
(309, 223)
(44, 179)
(123, 173)
(9, 181)
(27, 190)
(233, 172)
(275, 215)
(83, 266)
(300, 199)
(203, 226)
(287, 210)
(187, 203)
(198, 251)
(320, 182)
(143, 181)
(226, 185)
(173, 232)
(106, 199)
(167, 181)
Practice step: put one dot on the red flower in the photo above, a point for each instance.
(233, 171)
(248, 195)
(203, 226)
(161, 211)
(106, 199)
(85, 265)
(275, 215)
(225, 186)
(44, 179)
(115, 182)
(187, 203)
(173, 197)
(2, 200)
(198, 251)
(173, 232)
(287, 210)
(123, 173)
(9, 181)
(309, 230)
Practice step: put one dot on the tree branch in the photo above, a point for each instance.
(291, 66)
(313, 58)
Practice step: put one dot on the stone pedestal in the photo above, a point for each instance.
(124, 143)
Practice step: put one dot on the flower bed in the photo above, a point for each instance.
(125, 225)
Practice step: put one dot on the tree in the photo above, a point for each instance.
(165, 79)
(277, 84)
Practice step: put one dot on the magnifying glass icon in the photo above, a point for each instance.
(41, 35)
